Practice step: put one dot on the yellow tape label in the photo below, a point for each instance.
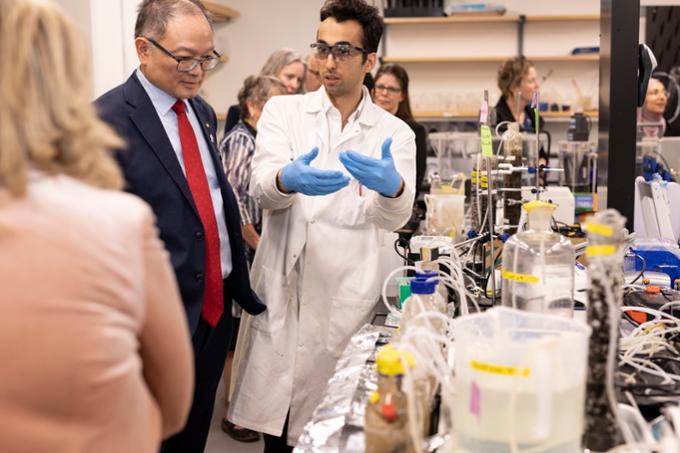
(598, 228)
(499, 369)
(600, 250)
(522, 278)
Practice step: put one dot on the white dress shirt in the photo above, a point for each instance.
(163, 103)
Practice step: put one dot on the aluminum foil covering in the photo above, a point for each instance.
(337, 424)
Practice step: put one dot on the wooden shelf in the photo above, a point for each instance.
(469, 18)
(471, 59)
(482, 18)
(580, 57)
(564, 18)
(220, 12)
(490, 59)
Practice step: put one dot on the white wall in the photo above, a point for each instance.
(264, 26)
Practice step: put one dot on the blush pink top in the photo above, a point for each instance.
(95, 354)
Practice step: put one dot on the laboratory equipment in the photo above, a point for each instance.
(560, 196)
(386, 412)
(445, 214)
(579, 127)
(606, 240)
(424, 298)
(579, 162)
(659, 256)
(512, 195)
(520, 382)
(654, 217)
(538, 266)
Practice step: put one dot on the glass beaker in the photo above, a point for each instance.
(445, 214)
(519, 382)
(538, 266)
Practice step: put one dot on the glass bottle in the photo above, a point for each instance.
(423, 299)
(386, 426)
(538, 266)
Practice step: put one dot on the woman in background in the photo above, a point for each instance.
(283, 64)
(390, 91)
(236, 151)
(95, 354)
(651, 117)
(517, 76)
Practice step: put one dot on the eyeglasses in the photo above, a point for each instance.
(388, 89)
(188, 64)
(341, 51)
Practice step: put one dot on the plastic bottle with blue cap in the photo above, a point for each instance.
(424, 298)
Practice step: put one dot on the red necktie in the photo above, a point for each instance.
(213, 303)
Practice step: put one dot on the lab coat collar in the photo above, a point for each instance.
(319, 101)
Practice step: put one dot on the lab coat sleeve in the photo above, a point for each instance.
(272, 152)
(393, 213)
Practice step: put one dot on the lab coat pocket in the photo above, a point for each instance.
(350, 209)
(271, 288)
(346, 317)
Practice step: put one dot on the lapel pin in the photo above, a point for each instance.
(212, 139)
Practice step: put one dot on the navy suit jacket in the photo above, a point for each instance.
(153, 173)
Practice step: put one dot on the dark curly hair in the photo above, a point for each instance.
(360, 11)
(510, 74)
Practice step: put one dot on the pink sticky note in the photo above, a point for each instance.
(484, 112)
(475, 400)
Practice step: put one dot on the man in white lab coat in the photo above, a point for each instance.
(333, 172)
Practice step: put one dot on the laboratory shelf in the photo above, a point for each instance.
(490, 17)
(468, 18)
(220, 12)
(492, 59)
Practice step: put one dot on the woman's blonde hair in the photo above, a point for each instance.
(279, 60)
(46, 119)
(510, 74)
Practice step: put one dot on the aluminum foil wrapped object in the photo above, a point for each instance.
(337, 424)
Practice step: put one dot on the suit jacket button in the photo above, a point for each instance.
(199, 235)
(199, 276)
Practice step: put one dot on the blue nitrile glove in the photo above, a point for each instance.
(379, 175)
(298, 176)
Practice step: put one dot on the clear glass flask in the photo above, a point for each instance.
(538, 266)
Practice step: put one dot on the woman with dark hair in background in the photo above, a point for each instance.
(284, 64)
(236, 151)
(390, 92)
(650, 118)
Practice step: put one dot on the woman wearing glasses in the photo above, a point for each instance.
(391, 93)
(651, 120)
(284, 64)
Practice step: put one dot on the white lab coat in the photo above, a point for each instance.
(316, 266)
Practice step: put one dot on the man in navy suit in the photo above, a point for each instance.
(171, 162)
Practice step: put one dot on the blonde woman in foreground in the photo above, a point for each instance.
(94, 346)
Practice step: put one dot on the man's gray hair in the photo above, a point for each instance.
(153, 15)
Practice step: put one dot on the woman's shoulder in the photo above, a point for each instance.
(239, 134)
(79, 199)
